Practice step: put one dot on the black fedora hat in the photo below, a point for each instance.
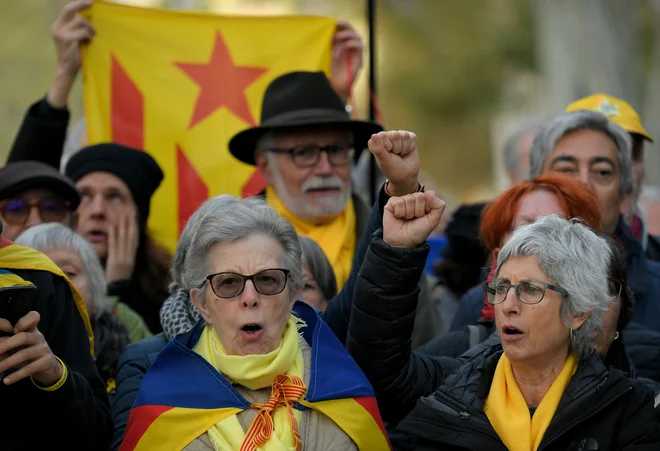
(297, 100)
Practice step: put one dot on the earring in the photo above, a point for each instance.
(572, 336)
(617, 335)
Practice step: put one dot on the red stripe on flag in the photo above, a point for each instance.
(140, 419)
(254, 185)
(4, 242)
(191, 188)
(126, 109)
(370, 405)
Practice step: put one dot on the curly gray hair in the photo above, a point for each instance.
(239, 219)
(576, 259)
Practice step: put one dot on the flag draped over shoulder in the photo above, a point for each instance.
(14, 256)
(179, 85)
(182, 396)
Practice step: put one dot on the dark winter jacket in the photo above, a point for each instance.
(599, 408)
(76, 416)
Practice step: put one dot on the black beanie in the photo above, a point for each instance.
(135, 168)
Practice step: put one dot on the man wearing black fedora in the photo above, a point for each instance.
(305, 148)
(33, 193)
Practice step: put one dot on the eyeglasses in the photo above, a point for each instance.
(528, 292)
(16, 211)
(227, 285)
(308, 155)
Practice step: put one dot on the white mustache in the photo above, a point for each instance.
(333, 182)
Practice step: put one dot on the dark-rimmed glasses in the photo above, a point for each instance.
(308, 155)
(16, 211)
(268, 282)
(528, 291)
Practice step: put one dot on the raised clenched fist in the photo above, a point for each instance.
(396, 155)
(409, 220)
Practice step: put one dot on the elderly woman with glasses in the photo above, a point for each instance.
(543, 386)
(253, 374)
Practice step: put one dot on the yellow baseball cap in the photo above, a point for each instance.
(616, 110)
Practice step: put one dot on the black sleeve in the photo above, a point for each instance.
(639, 428)
(381, 325)
(338, 311)
(79, 409)
(41, 136)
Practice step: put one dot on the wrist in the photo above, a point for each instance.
(51, 379)
(58, 94)
(401, 189)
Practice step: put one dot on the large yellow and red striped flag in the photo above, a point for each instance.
(179, 85)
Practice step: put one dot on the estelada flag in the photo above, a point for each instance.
(182, 396)
(180, 84)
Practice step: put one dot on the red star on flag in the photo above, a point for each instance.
(221, 83)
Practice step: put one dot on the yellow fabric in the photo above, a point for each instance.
(616, 110)
(337, 239)
(58, 384)
(15, 256)
(509, 414)
(254, 372)
(147, 46)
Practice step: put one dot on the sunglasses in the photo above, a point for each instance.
(16, 211)
(227, 285)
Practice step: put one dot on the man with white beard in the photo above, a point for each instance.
(305, 148)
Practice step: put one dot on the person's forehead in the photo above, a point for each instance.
(585, 146)
(102, 181)
(313, 136)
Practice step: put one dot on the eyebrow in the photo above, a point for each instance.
(561, 158)
(596, 160)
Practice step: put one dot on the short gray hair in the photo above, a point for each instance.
(53, 235)
(512, 143)
(211, 206)
(315, 259)
(566, 123)
(240, 219)
(576, 259)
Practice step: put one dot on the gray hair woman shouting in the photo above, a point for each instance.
(540, 386)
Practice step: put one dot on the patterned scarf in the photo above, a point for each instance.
(178, 315)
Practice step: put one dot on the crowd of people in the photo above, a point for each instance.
(303, 319)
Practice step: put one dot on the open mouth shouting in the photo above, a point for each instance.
(252, 331)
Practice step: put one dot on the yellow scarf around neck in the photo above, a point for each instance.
(337, 239)
(509, 414)
(254, 372)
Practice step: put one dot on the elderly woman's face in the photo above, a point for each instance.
(69, 262)
(250, 323)
(530, 333)
(311, 293)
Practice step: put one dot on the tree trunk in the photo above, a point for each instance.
(585, 47)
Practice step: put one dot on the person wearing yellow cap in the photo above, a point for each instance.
(624, 115)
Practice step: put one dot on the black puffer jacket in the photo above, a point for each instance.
(613, 411)
(600, 410)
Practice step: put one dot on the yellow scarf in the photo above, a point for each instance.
(508, 412)
(337, 239)
(254, 372)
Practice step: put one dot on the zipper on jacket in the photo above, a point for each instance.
(568, 408)
(447, 407)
